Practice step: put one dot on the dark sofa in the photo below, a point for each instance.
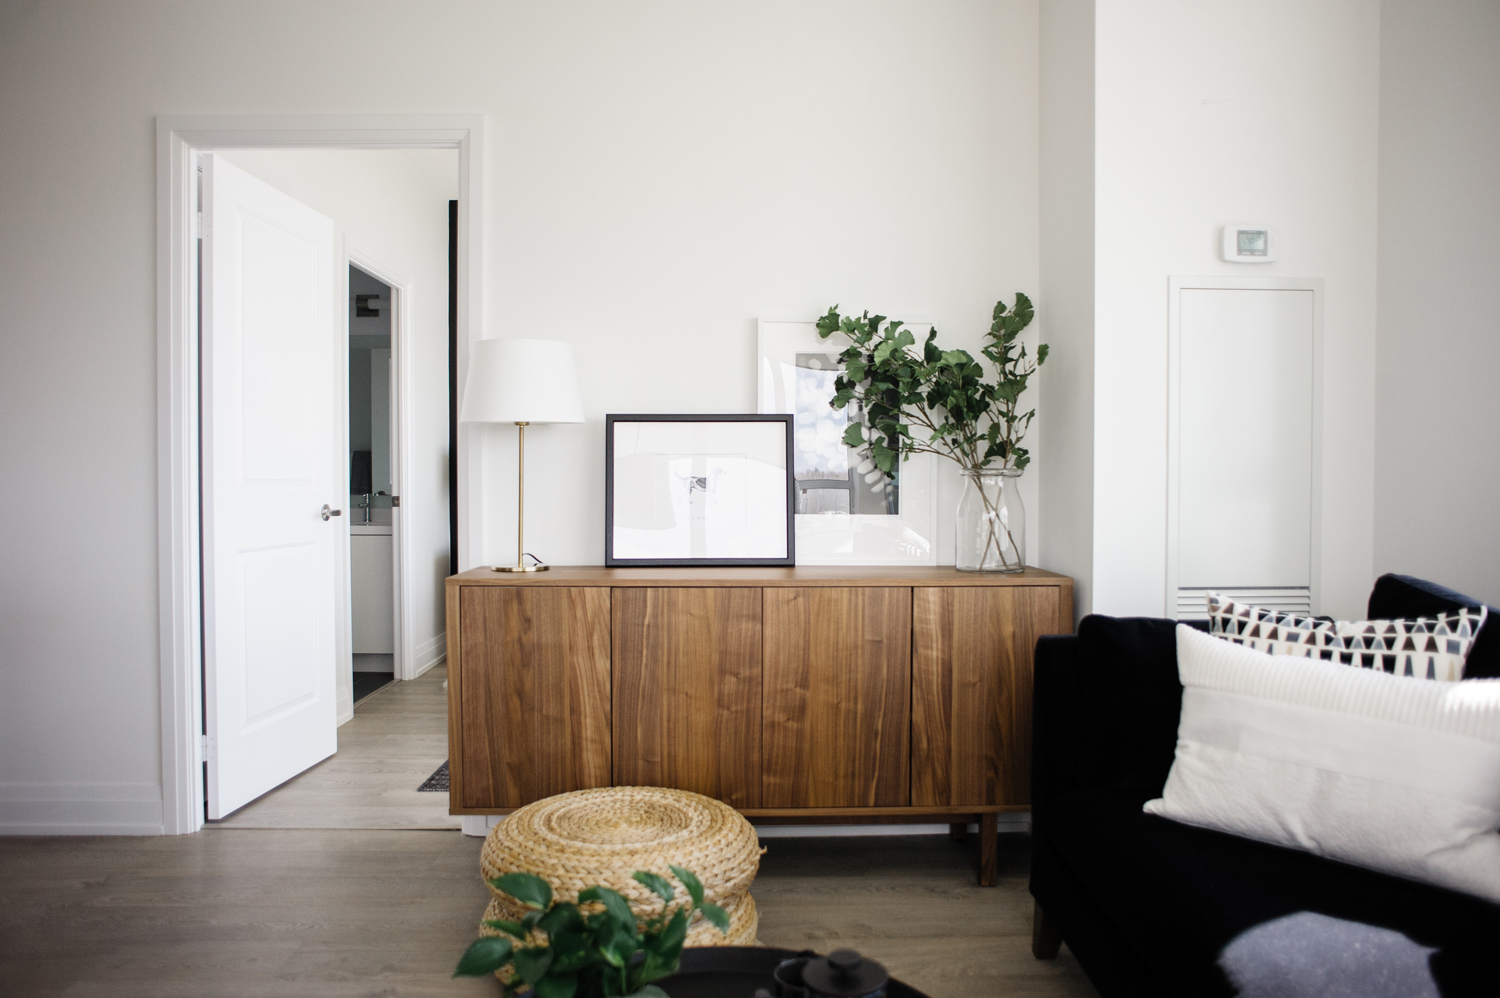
(1152, 907)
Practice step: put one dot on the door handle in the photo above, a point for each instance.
(327, 511)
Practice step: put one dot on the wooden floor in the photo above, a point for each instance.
(247, 913)
(397, 737)
(326, 887)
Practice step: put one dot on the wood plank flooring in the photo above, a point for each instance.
(255, 913)
(913, 903)
(397, 737)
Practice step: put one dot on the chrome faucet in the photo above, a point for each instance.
(364, 504)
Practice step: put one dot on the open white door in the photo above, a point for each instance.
(272, 426)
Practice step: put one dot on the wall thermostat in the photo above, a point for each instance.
(1249, 243)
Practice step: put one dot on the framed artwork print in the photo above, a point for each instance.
(846, 511)
(698, 490)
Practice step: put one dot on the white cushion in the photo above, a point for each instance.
(1393, 773)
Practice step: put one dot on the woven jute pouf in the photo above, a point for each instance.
(744, 922)
(577, 840)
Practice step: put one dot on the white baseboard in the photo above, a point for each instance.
(479, 825)
(431, 652)
(80, 809)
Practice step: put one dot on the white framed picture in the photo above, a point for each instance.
(847, 511)
(685, 490)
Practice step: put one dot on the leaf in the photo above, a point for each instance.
(691, 882)
(485, 955)
(527, 888)
(614, 904)
(1041, 354)
(622, 948)
(513, 928)
(556, 986)
(854, 436)
(561, 918)
(656, 883)
(652, 991)
(829, 323)
(669, 947)
(716, 915)
(532, 964)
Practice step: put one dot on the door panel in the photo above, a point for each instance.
(971, 691)
(687, 691)
(272, 430)
(837, 695)
(535, 693)
(1246, 439)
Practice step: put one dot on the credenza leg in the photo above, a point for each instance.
(957, 830)
(989, 848)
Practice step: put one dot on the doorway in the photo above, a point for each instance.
(409, 372)
(374, 576)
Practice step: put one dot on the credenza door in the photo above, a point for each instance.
(837, 697)
(534, 693)
(971, 691)
(687, 691)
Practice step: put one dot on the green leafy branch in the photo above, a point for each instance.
(967, 418)
(559, 951)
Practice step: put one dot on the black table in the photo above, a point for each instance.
(736, 971)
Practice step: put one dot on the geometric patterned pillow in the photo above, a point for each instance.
(1425, 647)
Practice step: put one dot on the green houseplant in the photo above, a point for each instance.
(935, 401)
(559, 950)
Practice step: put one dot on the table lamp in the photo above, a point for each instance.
(521, 382)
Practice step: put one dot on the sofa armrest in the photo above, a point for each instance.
(1055, 717)
(1105, 707)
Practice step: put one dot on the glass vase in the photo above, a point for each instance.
(991, 522)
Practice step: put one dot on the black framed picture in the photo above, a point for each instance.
(698, 490)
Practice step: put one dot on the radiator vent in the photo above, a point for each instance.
(1192, 604)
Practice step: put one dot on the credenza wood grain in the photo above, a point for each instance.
(971, 691)
(687, 691)
(836, 697)
(835, 694)
(534, 696)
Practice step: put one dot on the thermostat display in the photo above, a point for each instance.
(1249, 243)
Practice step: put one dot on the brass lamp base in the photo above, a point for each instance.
(537, 565)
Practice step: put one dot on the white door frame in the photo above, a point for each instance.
(401, 436)
(178, 139)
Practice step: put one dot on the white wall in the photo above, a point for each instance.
(1208, 113)
(658, 174)
(392, 205)
(1438, 408)
(1066, 302)
(678, 170)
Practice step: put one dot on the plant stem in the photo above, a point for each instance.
(992, 516)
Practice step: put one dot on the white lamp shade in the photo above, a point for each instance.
(521, 381)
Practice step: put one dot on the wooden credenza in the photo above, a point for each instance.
(793, 694)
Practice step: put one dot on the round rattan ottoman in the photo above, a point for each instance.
(577, 840)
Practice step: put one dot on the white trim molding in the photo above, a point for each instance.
(80, 809)
(178, 139)
(431, 652)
